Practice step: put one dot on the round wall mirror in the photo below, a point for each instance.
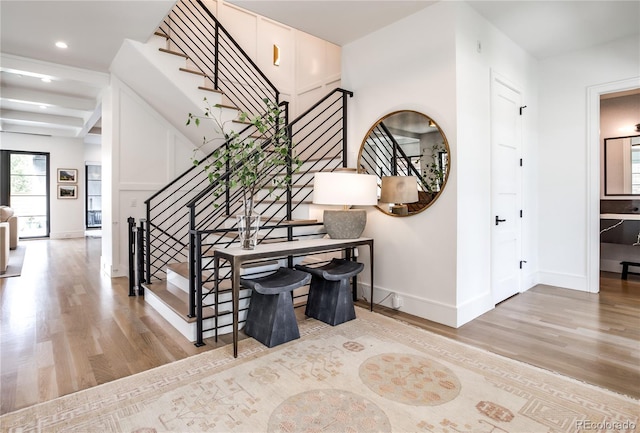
(409, 154)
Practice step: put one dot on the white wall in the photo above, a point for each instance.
(618, 117)
(482, 50)
(564, 156)
(66, 215)
(309, 66)
(410, 65)
(141, 153)
(439, 260)
(93, 153)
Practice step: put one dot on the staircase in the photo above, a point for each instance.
(190, 217)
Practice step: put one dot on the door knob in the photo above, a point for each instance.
(498, 220)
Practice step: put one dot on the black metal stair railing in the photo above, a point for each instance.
(192, 30)
(318, 138)
(385, 157)
(191, 212)
(167, 221)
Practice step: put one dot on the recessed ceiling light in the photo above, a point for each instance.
(61, 44)
(46, 80)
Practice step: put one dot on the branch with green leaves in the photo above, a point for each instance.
(245, 158)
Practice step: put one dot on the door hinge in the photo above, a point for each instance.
(522, 108)
(520, 213)
(521, 262)
(520, 162)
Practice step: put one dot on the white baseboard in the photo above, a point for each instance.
(567, 281)
(67, 235)
(426, 308)
(473, 308)
(109, 271)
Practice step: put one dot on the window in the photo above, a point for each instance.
(25, 187)
(94, 196)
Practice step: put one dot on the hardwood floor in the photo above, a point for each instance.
(592, 337)
(64, 328)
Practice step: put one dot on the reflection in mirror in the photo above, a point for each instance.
(407, 143)
(622, 165)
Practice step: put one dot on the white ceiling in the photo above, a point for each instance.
(94, 31)
(544, 28)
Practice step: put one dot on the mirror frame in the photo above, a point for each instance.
(606, 186)
(445, 143)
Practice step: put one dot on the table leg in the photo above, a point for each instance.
(216, 287)
(371, 265)
(235, 294)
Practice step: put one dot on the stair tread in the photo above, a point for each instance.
(175, 53)
(324, 158)
(209, 89)
(195, 72)
(300, 221)
(295, 185)
(182, 269)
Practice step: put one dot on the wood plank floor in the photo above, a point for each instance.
(592, 337)
(64, 327)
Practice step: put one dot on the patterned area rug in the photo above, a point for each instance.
(373, 374)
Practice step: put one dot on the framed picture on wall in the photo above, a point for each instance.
(67, 175)
(67, 191)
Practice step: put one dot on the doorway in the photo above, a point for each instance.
(593, 174)
(25, 188)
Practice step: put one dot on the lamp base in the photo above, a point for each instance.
(399, 209)
(345, 224)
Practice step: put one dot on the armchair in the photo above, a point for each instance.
(7, 216)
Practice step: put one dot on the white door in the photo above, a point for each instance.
(506, 133)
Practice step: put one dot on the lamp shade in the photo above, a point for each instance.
(338, 188)
(399, 189)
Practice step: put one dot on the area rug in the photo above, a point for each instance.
(16, 259)
(372, 374)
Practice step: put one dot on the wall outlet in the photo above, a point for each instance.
(396, 301)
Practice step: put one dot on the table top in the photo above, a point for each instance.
(283, 248)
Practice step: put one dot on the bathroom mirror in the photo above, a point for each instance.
(407, 143)
(622, 165)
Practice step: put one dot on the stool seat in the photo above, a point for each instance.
(271, 319)
(329, 299)
(336, 270)
(283, 280)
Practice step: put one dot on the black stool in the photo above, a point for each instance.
(271, 319)
(330, 300)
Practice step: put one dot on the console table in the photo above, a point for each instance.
(236, 256)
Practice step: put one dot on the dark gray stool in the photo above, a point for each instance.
(330, 300)
(271, 319)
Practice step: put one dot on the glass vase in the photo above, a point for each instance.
(248, 226)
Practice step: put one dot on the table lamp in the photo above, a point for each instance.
(399, 190)
(346, 189)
